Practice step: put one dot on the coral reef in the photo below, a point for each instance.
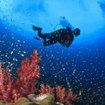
(21, 90)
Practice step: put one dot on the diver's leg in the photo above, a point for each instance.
(36, 28)
(48, 35)
(39, 32)
(44, 36)
(50, 42)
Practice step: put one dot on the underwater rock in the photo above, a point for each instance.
(31, 96)
(58, 103)
(32, 99)
(10, 104)
(29, 103)
(47, 102)
(43, 99)
(22, 101)
(3, 102)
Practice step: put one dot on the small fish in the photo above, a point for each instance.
(80, 93)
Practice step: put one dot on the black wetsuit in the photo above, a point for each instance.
(58, 36)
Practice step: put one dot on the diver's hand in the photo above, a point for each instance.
(67, 46)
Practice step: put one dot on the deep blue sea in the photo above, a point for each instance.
(81, 66)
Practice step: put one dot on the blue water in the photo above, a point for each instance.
(81, 66)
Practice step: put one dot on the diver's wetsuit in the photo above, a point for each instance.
(60, 36)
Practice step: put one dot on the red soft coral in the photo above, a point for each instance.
(64, 96)
(25, 84)
(61, 95)
(46, 89)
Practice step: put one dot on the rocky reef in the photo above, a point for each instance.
(32, 99)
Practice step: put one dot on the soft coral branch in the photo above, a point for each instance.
(1, 82)
(5, 85)
(28, 74)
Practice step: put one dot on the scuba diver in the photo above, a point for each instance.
(64, 36)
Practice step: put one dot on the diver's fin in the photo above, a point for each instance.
(36, 28)
(38, 38)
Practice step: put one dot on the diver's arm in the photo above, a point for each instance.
(69, 43)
